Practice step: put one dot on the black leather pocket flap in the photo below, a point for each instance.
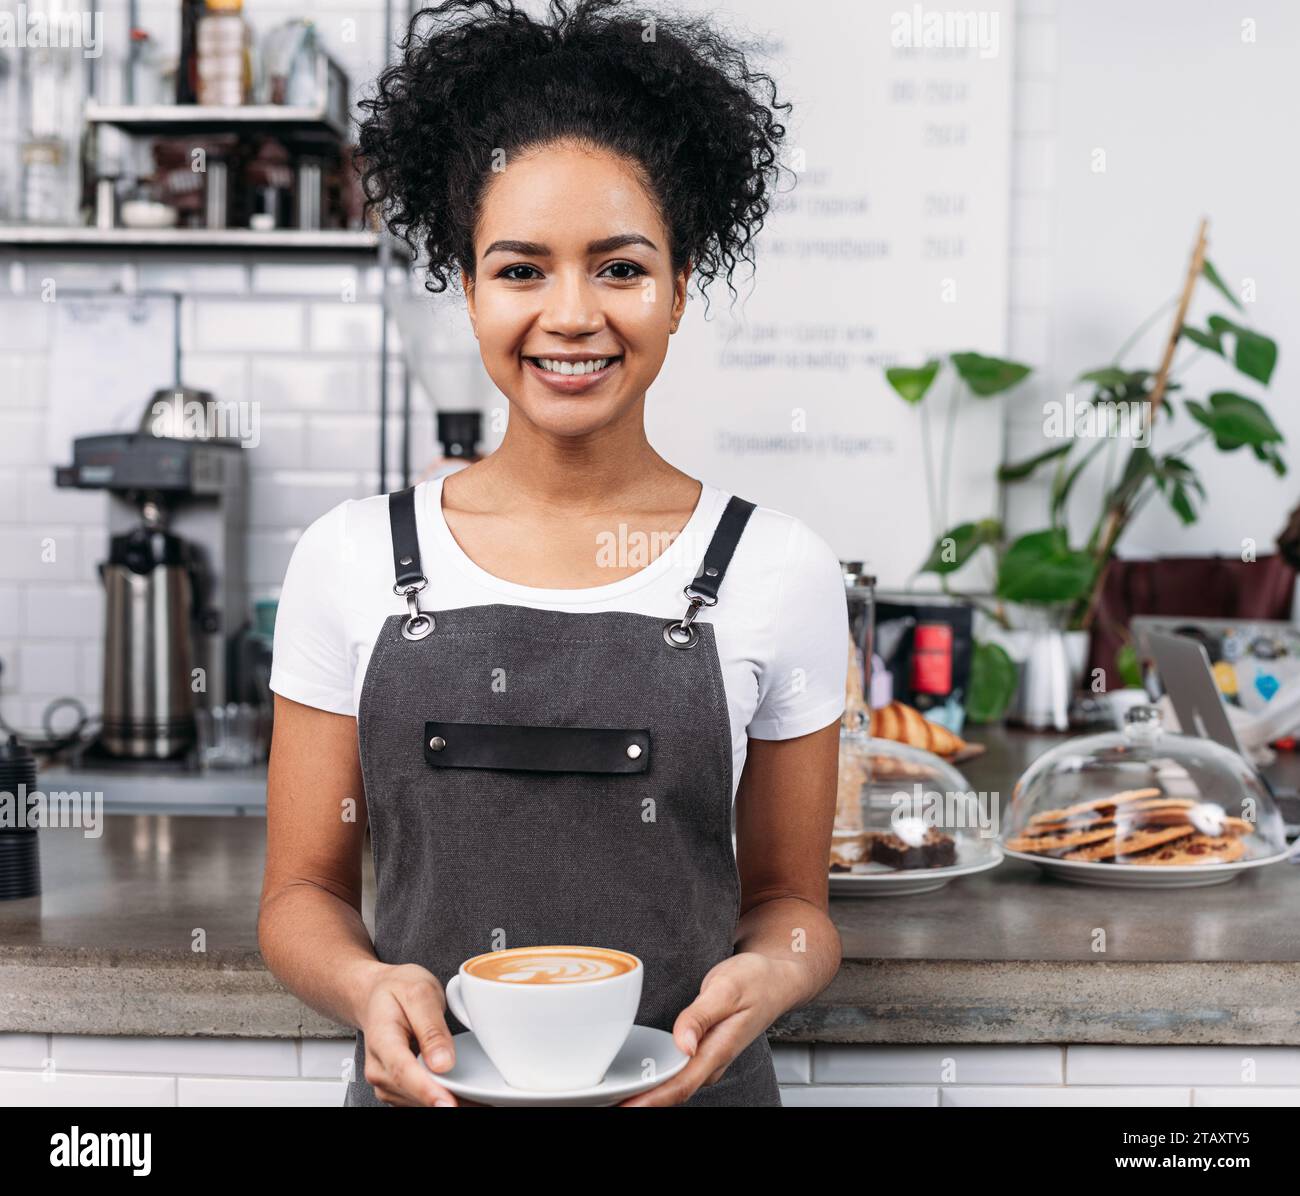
(536, 749)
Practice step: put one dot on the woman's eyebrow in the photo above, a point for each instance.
(537, 249)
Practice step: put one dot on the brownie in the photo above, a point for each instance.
(937, 850)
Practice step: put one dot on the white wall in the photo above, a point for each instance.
(1193, 121)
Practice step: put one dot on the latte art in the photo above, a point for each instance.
(550, 965)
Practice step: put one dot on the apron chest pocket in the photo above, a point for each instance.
(536, 749)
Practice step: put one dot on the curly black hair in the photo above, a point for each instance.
(669, 93)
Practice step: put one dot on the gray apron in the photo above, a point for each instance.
(539, 777)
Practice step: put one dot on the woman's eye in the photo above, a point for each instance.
(634, 269)
(507, 273)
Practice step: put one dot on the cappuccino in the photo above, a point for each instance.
(550, 965)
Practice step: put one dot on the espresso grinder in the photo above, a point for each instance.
(175, 593)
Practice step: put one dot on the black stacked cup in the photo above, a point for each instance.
(20, 860)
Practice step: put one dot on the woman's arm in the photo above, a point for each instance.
(787, 948)
(309, 926)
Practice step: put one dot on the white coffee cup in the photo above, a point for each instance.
(551, 1019)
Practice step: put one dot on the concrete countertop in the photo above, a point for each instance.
(151, 929)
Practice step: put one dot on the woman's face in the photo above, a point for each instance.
(572, 267)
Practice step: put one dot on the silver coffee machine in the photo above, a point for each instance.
(174, 585)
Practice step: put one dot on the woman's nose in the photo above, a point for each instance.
(571, 306)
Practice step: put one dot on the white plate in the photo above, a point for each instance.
(475, 1078)
(1143, 876)
(879, 880)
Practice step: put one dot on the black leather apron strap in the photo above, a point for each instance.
(406, 541)
(721, 548)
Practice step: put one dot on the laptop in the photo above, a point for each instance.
(1188, 679)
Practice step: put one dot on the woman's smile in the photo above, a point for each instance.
(567, 375)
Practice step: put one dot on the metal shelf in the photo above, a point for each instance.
(186, 239)
(173, 119)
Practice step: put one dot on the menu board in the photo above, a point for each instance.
(891, 247)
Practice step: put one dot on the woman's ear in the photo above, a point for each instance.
(679, 298)
(467, 285)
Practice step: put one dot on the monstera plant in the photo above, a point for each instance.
(1143, 458)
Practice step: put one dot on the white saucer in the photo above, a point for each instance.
(646, 1049)
(1139, 876)
(877, 880)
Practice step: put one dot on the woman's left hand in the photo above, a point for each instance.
(739, 999)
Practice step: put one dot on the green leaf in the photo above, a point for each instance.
(1255, 354)
(1236, 420)
(1063, 485)
(992, 685)
(1137, 469)
(1129, 667)
(1181, 502)
(1022, 469)
(1212, 277)
(956, 546)
(988, 376)
(911, 384)
(1207, 340)
(1041, 567)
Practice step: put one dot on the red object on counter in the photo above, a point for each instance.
(932, 659)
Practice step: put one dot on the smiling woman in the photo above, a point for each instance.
(547, 729)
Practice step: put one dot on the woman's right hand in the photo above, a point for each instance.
(405, 1004)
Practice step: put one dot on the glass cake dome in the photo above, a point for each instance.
(1143, 807)
(904, 813)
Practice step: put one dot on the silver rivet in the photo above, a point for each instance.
(633, 751)
(437, 743)
(710, 572)
(406, 560)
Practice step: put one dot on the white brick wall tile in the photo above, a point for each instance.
(10, 496)
(793, 1063)
(348, 327)
(25, 1089)
(22, 379)
(24, 324)
(1036, 49)
(224, 375)
(90, 659)
(71, 612)
(1029, 339)
(344, 442)
(49, 668)
(324, 279)
(937, 1065)
(1035, 105)
(194, 278)
(282, 441)
(9, 607)
(197, 1093)
(268, 556)
(22, 436)
(1248, 1097)
(41, 501)
(313, 383)
(1063, 1098)
(22, 549)
(196, 1056)
(1033, 163)
(296, 499)
(24, 1050)
(1031, 225)
(10, 680)
(327, 1058)
(217, 324)
(1031, 280)
(91, 548)
(863, 1097)
(75, 276)
(1212, 1065)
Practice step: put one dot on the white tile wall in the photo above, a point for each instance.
(103, 1070)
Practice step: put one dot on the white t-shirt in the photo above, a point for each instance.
(781, 622)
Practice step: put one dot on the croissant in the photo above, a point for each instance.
(905, 724)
